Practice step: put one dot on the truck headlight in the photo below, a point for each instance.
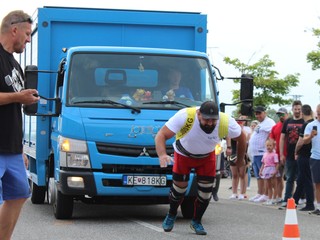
(77, 160)
(73, 153)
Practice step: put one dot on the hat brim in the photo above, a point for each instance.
(280, 113)
(210, 116)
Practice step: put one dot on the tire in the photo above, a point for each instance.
(62, 206)
(38, 194)
(187, 207)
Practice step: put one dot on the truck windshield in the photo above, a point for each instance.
(139, 81)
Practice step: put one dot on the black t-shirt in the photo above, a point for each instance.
(11, 80)
(305, 150)
(291, 129)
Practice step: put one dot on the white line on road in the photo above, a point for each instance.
(150, 226)
(147, 225)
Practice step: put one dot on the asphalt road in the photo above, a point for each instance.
(224, 220)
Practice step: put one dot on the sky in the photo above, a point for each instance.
(243, 29)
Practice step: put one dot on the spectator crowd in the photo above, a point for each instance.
(284, 156)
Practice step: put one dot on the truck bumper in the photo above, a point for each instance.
(88, 179)
(104, 184)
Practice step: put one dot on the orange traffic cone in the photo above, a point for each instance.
(291, 228)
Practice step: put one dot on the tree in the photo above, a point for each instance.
(313, 57)
(269, 89)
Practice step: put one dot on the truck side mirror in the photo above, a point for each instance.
(246, 94)
(31, 82)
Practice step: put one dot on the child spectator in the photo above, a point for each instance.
(269, 168)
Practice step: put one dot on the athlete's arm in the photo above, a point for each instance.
(162, 136)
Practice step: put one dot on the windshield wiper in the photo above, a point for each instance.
(168, 102)
(104, 101)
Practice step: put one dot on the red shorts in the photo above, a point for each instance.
(203, 166)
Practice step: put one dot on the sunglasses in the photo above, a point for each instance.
(29, 20)
(280, 114)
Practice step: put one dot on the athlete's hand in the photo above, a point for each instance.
(165, 160)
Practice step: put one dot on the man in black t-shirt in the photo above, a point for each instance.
(302, 155)
(290, 135)
(15, 33)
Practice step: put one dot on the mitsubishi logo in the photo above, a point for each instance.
(144, 152)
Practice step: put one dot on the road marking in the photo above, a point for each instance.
(152, 227)
(147, 225)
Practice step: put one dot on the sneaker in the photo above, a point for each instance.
(315, 212)
(304, 209)
(263, 198)
(254, 198)
(197, 228)
(269, 202)
(284, 204)
(215, 197)
(302, 201)
(277, 201)
(241, 197)
(233, 196)
(168, 222)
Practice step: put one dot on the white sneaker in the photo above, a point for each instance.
(263, 198)
(254, 198)
(241, 197)
(302, 201)
(233, 196)
(277, 201)
(269, 202)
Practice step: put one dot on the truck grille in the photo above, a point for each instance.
(129, 150)
(135, 169)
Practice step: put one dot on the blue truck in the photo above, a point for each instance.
(102, 78)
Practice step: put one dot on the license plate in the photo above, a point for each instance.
(145, 180)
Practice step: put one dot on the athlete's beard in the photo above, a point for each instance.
(206, 128)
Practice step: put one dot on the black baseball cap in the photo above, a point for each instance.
(209, 110)
(259, 109)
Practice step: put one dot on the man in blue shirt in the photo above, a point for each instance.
(174, 77)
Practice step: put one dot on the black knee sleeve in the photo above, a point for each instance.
(203, 199)
(176, 197)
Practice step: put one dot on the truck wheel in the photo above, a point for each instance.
(51, 191)
(187, 207)
(62, 206)
(38, 194)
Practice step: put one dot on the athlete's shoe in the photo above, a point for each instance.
(168, 222)
(197, 228)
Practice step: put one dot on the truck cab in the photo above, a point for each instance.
(112, 102)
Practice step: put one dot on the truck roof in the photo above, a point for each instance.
(113, 9)
(114, 49)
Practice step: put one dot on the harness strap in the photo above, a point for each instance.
(191, 112)
(185, 152)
